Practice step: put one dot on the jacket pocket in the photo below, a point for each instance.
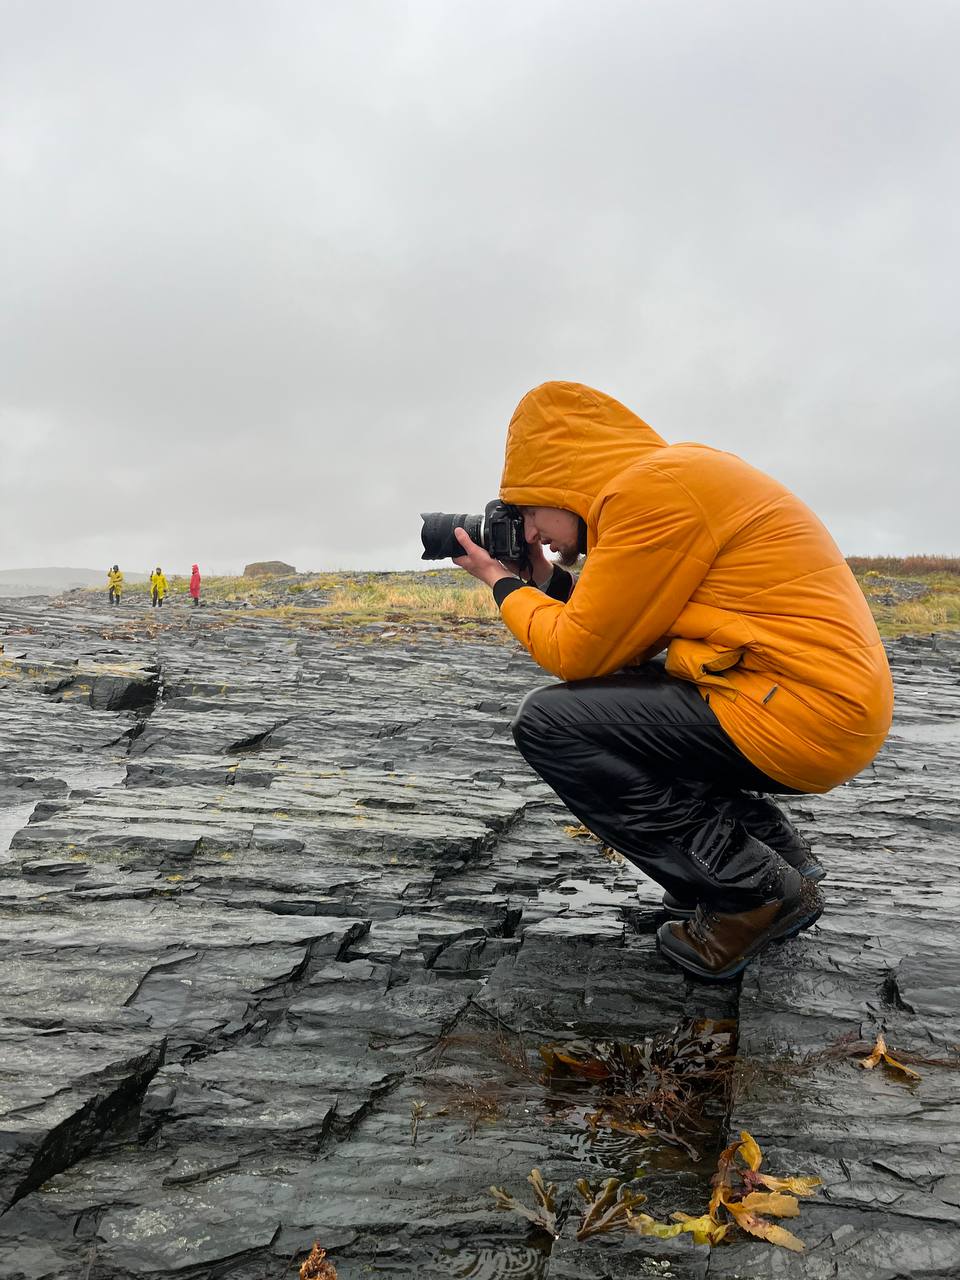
(702, 663)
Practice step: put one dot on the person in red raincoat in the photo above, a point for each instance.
(195, 585)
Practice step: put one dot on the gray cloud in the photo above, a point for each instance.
(275, 274)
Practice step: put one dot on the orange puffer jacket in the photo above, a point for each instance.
(691, 549)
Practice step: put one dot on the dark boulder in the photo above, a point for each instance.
(267, 569)
(123, 693)
(108, 692)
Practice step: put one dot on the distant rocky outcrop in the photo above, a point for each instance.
(267, 569)
(883, 590)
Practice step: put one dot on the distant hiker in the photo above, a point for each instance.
(195, 585)
(158, 585)
(115, 583)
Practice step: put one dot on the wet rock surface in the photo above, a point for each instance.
(284, 920)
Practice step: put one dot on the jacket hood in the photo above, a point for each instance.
(566, 442)
(196, 568)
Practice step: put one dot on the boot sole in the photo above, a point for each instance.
(790, 930)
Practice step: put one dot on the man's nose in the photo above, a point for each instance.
(529, 528)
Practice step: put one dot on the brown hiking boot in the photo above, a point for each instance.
(719, 945)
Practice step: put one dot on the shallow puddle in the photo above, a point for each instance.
(91, 777)
(584, 896)
(11, 821)
(649, 1113)
(83, 777)
(653, 1110)
(494, 1262)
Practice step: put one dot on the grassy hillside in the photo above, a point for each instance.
(912, 595)
(919, 594)
(438, 599)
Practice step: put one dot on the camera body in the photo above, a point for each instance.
(499, 531)
(503, 534)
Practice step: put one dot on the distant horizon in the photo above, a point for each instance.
(8, 574)
(220, 572)
(94, 574)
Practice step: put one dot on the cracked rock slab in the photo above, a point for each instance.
(278, 950)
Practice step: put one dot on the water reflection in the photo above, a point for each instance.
(11, 820)
(653, 1109)
(493, 1262)
(83, 777)
(91, 777)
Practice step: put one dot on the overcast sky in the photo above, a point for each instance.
(275, 273)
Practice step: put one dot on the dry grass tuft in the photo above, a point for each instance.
(916, 566)
(395, 601)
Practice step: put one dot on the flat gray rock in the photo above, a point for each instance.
(285, 922)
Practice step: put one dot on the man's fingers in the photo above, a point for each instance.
(463, 538)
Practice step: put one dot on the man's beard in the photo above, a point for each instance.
(569, 557)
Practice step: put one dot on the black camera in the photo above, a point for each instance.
(499, 530)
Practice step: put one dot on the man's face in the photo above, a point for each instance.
(555, 529)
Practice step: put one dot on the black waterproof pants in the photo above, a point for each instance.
(642, 761)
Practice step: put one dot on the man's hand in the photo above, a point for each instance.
(478, 561)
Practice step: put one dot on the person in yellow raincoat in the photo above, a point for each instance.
(774, 679)
(115, 584)
(158, 587)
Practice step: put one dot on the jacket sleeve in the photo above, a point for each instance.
(653, 549)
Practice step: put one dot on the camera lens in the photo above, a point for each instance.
(437, 534)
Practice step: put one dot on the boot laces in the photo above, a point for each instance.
(701, 922)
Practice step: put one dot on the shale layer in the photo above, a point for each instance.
(284, 920)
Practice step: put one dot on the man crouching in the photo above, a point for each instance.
(775, 679)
